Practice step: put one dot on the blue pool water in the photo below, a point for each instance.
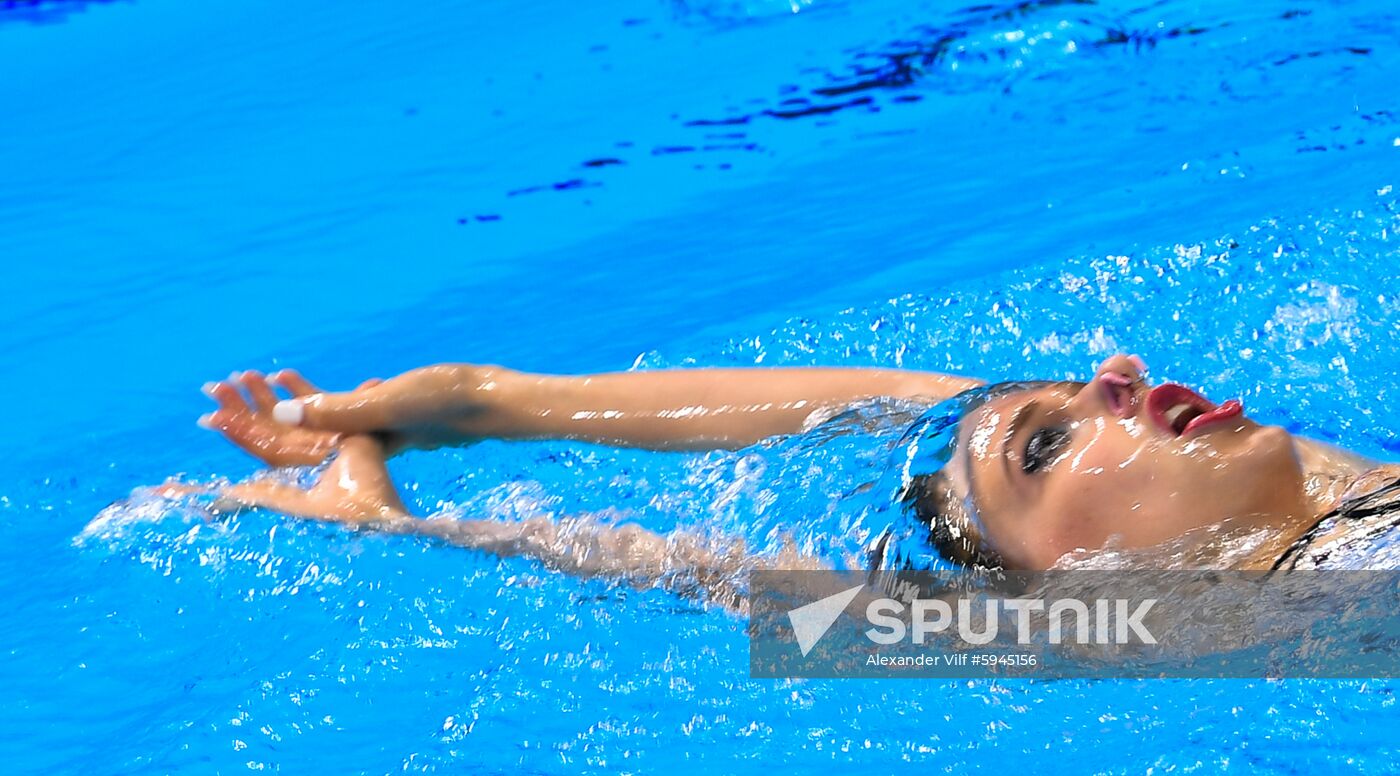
(1012, 190)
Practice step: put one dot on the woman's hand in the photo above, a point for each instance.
(247, 421)
(355, 489)
(423, 408)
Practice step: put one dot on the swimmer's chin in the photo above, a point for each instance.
(1250, 438)
(1273, 438)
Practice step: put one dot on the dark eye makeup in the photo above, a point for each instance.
(1043, 447)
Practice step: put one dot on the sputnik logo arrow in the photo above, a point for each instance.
(811, 622)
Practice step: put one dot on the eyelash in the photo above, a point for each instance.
(1043, 448)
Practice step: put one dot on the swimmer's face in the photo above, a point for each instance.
(1066, 467)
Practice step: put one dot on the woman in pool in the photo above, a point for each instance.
(1024, 474)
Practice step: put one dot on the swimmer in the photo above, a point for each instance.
(1024, 474)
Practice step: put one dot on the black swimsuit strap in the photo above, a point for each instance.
(1358, 508)
(1300, 544)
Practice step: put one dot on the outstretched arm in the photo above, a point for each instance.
(666, 409)
(355, 489)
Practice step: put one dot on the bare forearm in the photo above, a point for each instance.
(356, 490)
(714, 571)
(681, 563)
(681, 409)
(699, 408)
(665, 409)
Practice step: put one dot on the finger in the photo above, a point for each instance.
(256, 385)
(295, 384)
(353, 412)
(238, 426)
(267, 442)
(227, 396)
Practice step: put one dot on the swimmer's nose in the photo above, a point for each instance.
(1119, 385)
(1129, 366)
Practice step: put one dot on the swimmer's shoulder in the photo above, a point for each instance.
(1366, 511)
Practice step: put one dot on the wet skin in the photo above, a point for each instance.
(1062, 468)
(1052, 470)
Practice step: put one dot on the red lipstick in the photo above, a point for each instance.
(1179, 411)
